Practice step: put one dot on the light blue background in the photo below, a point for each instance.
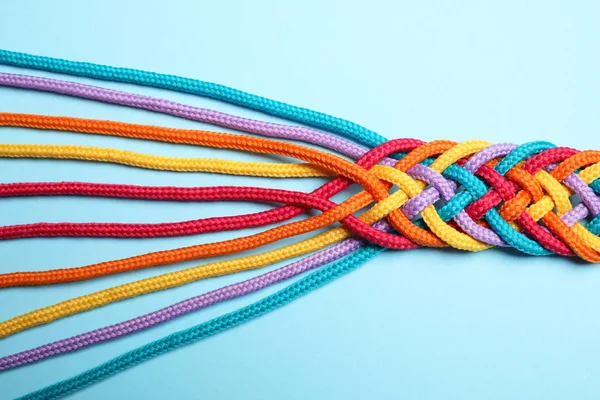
(424, 324)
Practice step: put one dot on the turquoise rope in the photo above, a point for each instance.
(194, 86)
(521, 153)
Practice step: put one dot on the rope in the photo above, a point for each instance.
(565, 242)
(543, 209)
(402, 224)
(219, 324)
(190, 305)
(177, 278)
(510, 187)
(182, 338)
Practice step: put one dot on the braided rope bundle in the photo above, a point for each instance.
(540, 193)
(524, 187)
(492, 195)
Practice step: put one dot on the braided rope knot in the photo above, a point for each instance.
(474, 195)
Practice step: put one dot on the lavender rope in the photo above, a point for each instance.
(439, 185)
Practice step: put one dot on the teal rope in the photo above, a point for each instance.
(194, 86)
(191, 335)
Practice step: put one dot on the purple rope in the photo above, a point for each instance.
(585, 193)
(446, 189)
(590, 201)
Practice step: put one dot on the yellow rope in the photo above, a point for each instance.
(124, 157)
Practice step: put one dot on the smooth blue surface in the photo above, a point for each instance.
(423, 324)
